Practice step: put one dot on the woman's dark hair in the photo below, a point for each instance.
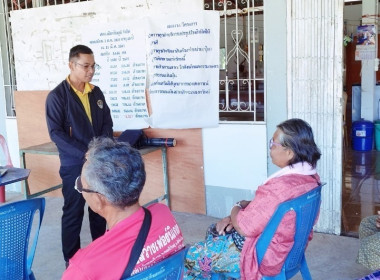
(297, 135)
(77, 50)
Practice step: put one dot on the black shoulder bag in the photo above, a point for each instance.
(139, 244)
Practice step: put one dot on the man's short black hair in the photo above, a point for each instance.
(77, 50)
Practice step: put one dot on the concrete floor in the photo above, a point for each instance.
(328, 256)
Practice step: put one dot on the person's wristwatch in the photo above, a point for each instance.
(238, 204)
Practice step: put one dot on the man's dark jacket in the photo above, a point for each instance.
(68, 125)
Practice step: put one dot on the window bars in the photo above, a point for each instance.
(241, 79)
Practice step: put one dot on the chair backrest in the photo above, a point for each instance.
(5, 151)
(306, 208)
(16, 224)
(170, 268)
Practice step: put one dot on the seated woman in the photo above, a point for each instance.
(230, 244)
(369, 235)
(112, 179)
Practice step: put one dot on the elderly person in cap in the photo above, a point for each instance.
(111, 182)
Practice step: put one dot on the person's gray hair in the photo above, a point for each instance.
(297, 135)
(116, 170)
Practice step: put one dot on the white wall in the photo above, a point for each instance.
(235, 155)
(12, 140)
(315, 88)
(3, 111)
(275, 60)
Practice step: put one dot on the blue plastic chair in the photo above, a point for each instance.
(170, 268)
(306, 208)
(16, 226)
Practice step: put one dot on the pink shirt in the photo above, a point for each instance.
(107, 256)
(253, 219)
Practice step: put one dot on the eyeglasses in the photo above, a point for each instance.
(271, 143)
(79, 187)
(87, 68)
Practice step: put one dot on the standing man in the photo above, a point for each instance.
(76, 111)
